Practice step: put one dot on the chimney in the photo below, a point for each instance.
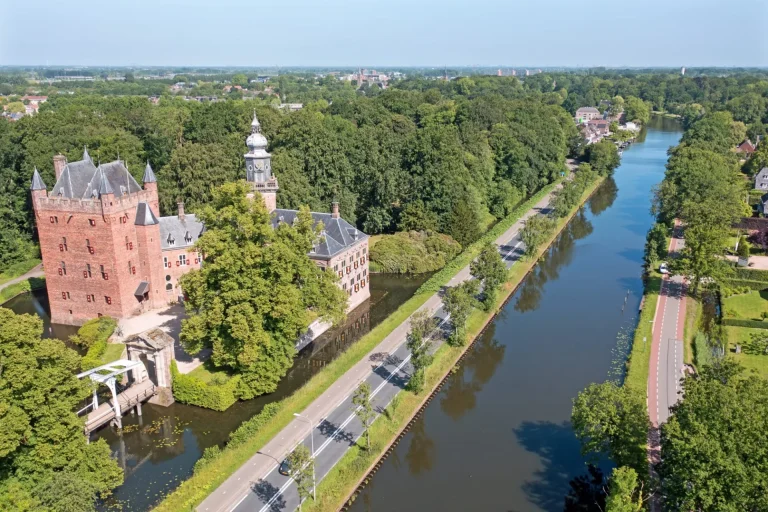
(335, 210)
(59, 162)
(181, 210)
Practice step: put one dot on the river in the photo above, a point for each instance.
(497, 436)
(159, 450)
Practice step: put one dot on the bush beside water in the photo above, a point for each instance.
(413, 252)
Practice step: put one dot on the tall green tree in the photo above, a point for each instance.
(489, 269)
(537, 229)
(361, 399)
(459, 301)
(41, 437)
(637, 110)
(612, 421)
(714, 447)
(419, 345)
(603, 157)
(302, 470)
(625, 491)
(258, 290)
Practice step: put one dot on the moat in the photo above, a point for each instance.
(159, 450)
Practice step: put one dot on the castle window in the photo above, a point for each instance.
(168, 277)
(365, 272)
(88, 269)
(182, 259)
(165, 264)
(187, 237)
(63, 268)
(344, 287)
(63, 244)
(171, 240)
(92, 222)
(108, 299)
(168, 288)
(365, 250)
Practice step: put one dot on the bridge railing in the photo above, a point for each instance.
(127, 404)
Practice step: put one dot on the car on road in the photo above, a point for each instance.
(663, 268)
(285, 468)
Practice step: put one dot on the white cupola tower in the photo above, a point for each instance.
(258, 166)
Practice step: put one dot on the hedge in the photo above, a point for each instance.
(748, 283)
(747, 274)
(94, 334)
(742, 322)
(188, 389)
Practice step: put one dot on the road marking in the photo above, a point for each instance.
(341, 427)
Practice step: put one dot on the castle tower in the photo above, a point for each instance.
(258, 166)
(149, 182)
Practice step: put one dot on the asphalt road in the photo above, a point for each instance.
(340, 430)
(668, 329)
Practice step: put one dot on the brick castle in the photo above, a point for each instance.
(105, 251)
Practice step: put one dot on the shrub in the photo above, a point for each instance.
(740, 322)
(414, 252)
(93, 331)
(216, 395)
(703, 350)
(252, 426)
(94, 334)
(209, 454)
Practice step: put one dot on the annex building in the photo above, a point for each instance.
(106, 251)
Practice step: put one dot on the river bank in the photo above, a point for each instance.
(498, 428)
(350, 476)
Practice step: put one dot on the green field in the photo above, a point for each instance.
(750, 361)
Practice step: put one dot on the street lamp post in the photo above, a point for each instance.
(312, 438)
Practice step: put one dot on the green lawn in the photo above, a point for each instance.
(640, 356)
(749, 361)
(748, 306)
(113, 353)
(206, 372)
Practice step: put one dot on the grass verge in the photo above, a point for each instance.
(693, 313)
(19, 269)
(113, 352)
(338, 486)
(640, 357)
(9, 292)
(195, 489)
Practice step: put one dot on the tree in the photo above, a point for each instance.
(16, 107)
(743, 250)
(655, 245)
(419, 345)
(603, 157)
(458, 303)
(302, 470)
(66, 492)
(489, 269)
(624, 495)
(361, 399)
(537, 229)
(714, 447)
(465, 225)
(416, 217)
(258, 290)
(611, 420)
(617, 106)
(637, 110)
(40, 435)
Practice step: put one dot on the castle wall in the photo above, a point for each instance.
(176, 263)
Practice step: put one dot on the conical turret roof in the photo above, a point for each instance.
(149, 175)
(37, 181)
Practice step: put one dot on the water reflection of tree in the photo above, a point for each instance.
(421, 451)
(548, 269)
(480, 365)
(603, 197)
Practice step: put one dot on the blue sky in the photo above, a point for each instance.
(383, 33)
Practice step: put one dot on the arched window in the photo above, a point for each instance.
(168, 288)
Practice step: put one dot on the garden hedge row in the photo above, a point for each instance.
(749, 283)
(747, 274)
(188, 389)
(742, 322)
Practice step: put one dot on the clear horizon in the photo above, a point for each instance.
(339, 33)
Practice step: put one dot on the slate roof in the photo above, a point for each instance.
(183, 233)
(83, 180)
(339, 234)
(141, 289)
(144, 215)
(149, 175)
(37, 181)
(761, 179)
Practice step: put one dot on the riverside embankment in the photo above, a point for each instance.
(497, 434)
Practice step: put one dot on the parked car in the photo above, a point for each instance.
(285, 468)
(663, 268)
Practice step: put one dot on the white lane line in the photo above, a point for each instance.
(340, 428)
(509, 253)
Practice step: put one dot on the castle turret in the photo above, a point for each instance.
(38, 188)
(258, 166)
(150, 185)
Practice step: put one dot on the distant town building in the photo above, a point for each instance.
(761, 179)
(682, 71)
(498, 73)
(746, 148)
(291, 107)
(585, 114)
(35, 99)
